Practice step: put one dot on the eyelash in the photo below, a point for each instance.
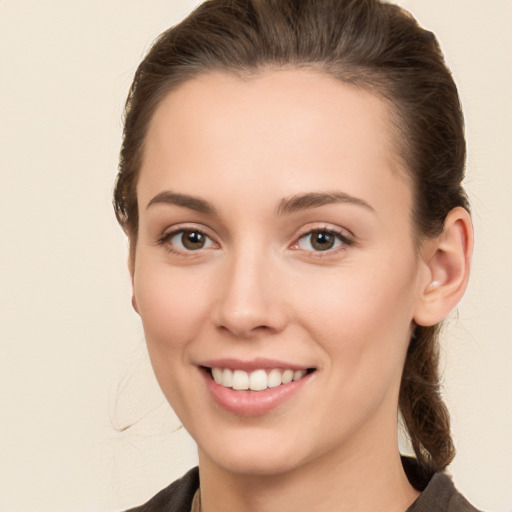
(343, 241)
(166, 238)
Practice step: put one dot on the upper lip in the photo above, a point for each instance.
(253, 364)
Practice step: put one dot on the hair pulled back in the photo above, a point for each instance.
(370, 44)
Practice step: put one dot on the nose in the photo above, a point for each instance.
(250, 300)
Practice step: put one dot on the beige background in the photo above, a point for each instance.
(72, 356)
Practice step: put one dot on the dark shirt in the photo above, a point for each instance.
(439, 495)
(177, 497)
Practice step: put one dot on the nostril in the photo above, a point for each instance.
(243, 330)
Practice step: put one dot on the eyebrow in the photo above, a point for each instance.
(286, 206)
(316, 199)
(183, 200)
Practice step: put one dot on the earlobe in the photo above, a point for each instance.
(447, 261)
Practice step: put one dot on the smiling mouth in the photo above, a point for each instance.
(257, 380)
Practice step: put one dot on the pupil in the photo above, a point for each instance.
(323, 241)
(193, 240)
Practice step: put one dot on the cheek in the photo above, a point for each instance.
(171, 305)
(362, 315)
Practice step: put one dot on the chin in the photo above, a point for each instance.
(261, 466)
(253, 458)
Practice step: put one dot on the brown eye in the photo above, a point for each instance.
(193, 240)
(320, 240)
(190, 240)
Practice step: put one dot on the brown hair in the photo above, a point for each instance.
(367, 43)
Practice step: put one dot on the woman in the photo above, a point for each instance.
(290, 183)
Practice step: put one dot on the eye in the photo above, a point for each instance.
(320, 240)
(189, 240)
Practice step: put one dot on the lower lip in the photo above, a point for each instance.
(252, 403)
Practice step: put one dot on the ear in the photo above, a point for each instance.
(131, 269)
(446, 260)
(134, 304)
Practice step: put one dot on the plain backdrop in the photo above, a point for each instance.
(73, 367)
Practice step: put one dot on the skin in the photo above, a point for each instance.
(258, 288)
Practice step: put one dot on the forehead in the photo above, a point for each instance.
(290, 129)
(267, 99)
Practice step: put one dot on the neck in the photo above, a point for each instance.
(354, 482)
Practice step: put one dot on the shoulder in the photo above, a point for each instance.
(177, 497)
(441, 495)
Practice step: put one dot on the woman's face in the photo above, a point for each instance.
(276, 240)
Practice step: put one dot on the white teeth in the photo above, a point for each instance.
(298, 374)
(240, 380)
(259, 380)
(217, 375)
(227, 378)
(274, 378)
(287, 376)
